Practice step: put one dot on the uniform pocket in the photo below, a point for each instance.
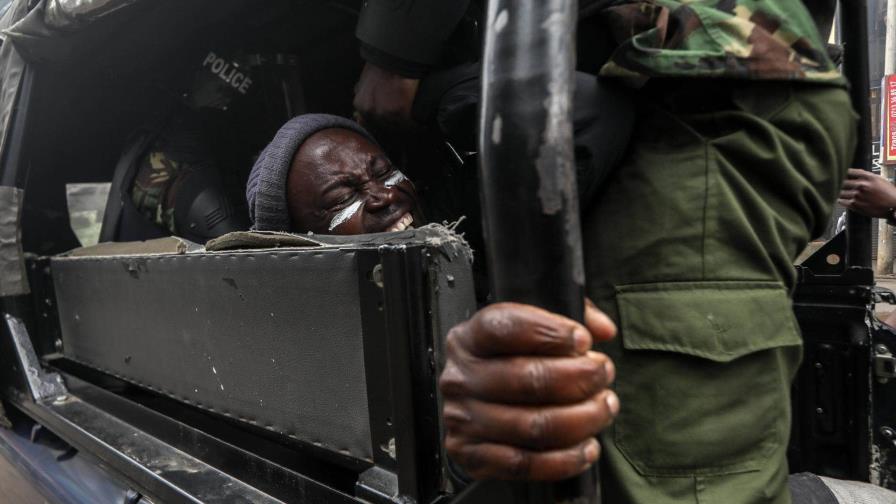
(704, 379)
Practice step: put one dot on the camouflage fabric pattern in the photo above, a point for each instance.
(155, 188)
(742, 39)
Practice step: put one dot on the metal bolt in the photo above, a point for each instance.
(818, 365)
(820, 411)
(377, 275)
(389, 448)
(60, 399)
(881, 349)
(132, 496)
(887, 432)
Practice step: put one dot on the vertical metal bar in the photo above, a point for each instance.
(412, 375)
(884, 230)
(399, 332)
(528, 176)
(854, 26)
(530, 202)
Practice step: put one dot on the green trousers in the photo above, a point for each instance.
(689, 248)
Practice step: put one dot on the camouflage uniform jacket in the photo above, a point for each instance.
(744, 39)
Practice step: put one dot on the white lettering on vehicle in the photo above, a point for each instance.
(228, 72)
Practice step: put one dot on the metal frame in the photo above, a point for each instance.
(843, 395)
(97, 411)
(854, 23)
(412, 372)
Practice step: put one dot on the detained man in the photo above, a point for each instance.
(325, 174)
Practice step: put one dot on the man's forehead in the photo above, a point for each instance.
(339, 139)
(335, 153)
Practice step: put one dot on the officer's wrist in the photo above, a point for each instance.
(400, 66)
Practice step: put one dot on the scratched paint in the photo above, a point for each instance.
(344, 215)
(555, 161)
(501, 20)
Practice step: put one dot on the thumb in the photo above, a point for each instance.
(598, 323)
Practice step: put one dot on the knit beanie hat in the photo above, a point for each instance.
(266, 188)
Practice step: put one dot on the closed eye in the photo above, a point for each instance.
(381, 167)
(342, 201)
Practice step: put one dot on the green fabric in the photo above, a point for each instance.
(689, 248)
(714, 309)
(744, 39)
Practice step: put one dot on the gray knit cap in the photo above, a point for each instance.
(266, 188)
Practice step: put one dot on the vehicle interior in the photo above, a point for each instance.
(204, 351)
(155, 54)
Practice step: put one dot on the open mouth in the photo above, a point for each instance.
(403, 222)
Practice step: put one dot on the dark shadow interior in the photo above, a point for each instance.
(93, 89)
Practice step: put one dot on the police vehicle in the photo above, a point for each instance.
(276, 368)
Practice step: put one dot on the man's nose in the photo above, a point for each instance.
(379, 197)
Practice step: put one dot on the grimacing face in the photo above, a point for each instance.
(341, 183)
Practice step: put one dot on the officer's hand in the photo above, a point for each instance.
(867, 193)
(383, 95)
(524, 394)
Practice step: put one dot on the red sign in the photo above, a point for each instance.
(888, 97)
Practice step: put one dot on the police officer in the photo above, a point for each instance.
(184, 175)
(744, 134)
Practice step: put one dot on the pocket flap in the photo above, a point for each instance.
(720, 321)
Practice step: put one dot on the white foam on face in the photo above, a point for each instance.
(345, 214)
(396, 178)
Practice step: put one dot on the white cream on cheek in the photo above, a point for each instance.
(348, 212)
(396, 178)
(345, 214)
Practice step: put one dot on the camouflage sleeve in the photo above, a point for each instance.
(152, 191)
(742, 39)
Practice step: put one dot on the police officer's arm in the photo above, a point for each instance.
(400, 41)
(868, 194)
(524, 395)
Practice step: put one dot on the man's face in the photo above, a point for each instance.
(341, 183)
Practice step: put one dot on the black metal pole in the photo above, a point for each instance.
(854, 24)
(530, 201)
(529, 194)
